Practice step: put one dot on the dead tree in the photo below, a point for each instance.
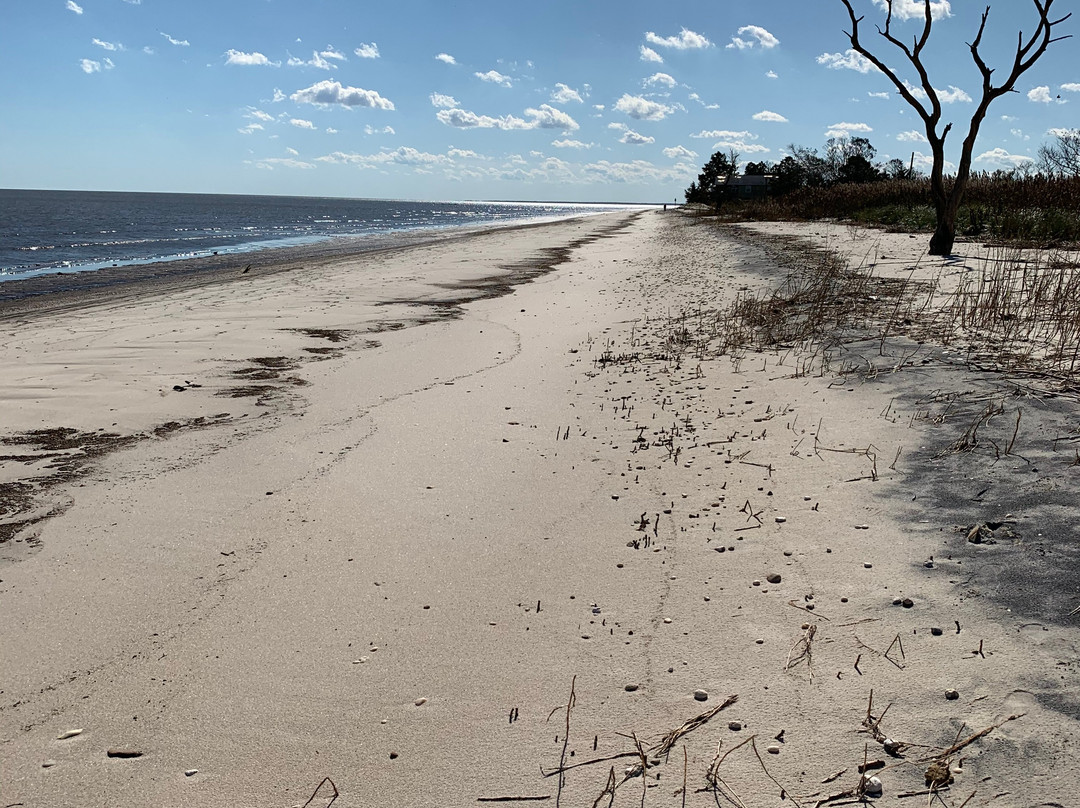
(947, 197)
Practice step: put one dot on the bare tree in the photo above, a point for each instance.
(947, 197)
(1062, 159)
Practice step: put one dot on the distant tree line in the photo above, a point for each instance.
(851, 161)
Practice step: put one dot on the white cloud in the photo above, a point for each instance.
(642, 109)
(649, 55)
(750, 36)
(293, 152)
(685, 40)
(908, 9)
(741, 146)
(403, 155)
(879, 95)
(630, 137)
(464, 154)
(173, 41)
(278, 96)
(300, 123)
(332, 53)
(73, 6)
(270, 163)
(446, 58)
(660, 78)
(1071, 88)
(251, 127)
(259, 115)
(768, 115)
(332, 92)
(1019, 133)
(674, 152)
(109, 46)
(952, 95)
(368, 50)
(848, 60)
(1040, 95)
(93, 66)
(495, 77)
(148, 50)
(846, 129)
(546, 117)
(235, 57)
(1001, 158)
(1061, 132)
(443, 101)
(386, 130)
(771, 75)
(331, 130)
(566, 143)
(564, 95)
(725, 134)
(912, 137)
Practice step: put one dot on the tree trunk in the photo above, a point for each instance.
(941, 243)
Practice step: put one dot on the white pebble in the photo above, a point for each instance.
(420, 702)
(773, 749)
(71, 733)
(872, 786)
(781, 519)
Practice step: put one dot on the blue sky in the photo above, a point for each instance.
(581, 100)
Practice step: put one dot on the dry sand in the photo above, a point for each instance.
(373, 519)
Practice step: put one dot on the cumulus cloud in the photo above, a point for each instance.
(332, 92)
(564, 95)
(630, 137)
(300, 123)
(403, 155)
(258, 115)
(251, 127)
(768, 115)
(546, 117)
(386, 130)
(684, 40)
(675, 152)
(1002, 159)
(270, 163)
(649, 55)
(93, 66)
(952, 95)
(443, 101)
(845, 129)
(495, 77)
(367, 51)
(446, 58)
(908, 9)
(725, 134)
(750, 36)
(1040, 95)
(566, 143)
(1071, 88)
(912, 136)
(73, 6)
(109, 46)
(741, 145)
(235, 57)
(879, 95)
(642, 109)
(660, 78)
(848, 60)
(464, 154)
(332, 53)
(174, 41)
(771, 75)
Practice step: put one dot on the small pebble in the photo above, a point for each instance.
(897, 601)
(774, 578)
(701, 695)
(781, 519)
(757, 583)
(759, 641)
(393, 755)
(843, 600)
(862, 527)
(71, 733)
(630, 688)
(872, 787)
(892, 747)
(48, 764)
(667, 619)
(936, 631)
(867, 565)
(907, 603)
(952, 695)
(734, 726)
(773, 749)
(190, 772)
(420, 702)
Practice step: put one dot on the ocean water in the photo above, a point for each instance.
(45, 232)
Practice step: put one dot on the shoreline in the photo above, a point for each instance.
(410, 564)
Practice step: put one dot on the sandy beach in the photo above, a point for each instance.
(512, 517)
